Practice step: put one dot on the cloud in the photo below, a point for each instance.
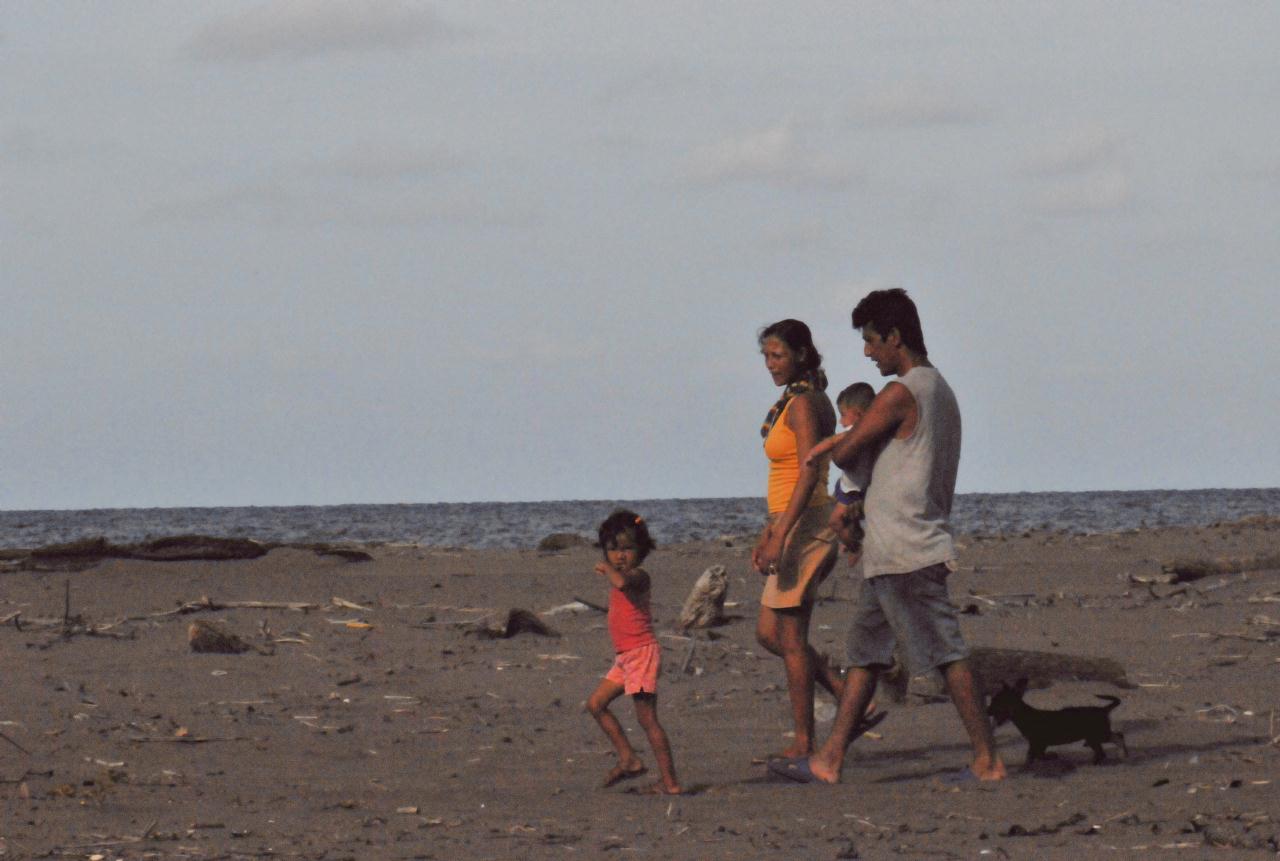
(909, 104)
(277, 203)
(1096, 192)
(305, 28)
(772, 155)
(379, 161)
(1084, 148)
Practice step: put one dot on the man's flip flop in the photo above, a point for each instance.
(795, 769)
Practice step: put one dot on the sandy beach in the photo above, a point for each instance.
(379, 721)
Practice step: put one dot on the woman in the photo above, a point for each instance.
(796, 550)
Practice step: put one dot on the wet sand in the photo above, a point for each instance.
(392, 729)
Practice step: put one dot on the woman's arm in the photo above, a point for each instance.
(805, 420)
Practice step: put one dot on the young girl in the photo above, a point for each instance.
(625, 541)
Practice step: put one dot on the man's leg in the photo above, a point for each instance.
(986, 764)
(859, 687)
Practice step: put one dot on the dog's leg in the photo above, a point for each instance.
(1034, 752)
(1118, 738)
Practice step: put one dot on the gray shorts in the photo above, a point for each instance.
(912, 608)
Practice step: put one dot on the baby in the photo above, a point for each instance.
(846, 518)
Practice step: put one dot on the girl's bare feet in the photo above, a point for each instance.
(624, 771)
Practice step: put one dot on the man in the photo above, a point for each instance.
(908, 550)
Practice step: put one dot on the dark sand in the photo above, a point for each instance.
(412, 738)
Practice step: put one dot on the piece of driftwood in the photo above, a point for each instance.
(205, 604)
(210, 638)
(705, 605)
(1186, 570)
(516, 621)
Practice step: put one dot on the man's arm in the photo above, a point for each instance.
(892, 407)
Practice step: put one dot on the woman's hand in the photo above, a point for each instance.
(760, 544)
(603, 569)
(770, 552)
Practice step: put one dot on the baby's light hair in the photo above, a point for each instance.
(857, 396)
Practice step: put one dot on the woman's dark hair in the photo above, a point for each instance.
(797, 336)
(886, 310)
(626, 521)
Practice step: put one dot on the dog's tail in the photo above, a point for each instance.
(1114, 701)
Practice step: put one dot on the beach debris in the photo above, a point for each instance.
(516, 621)
(345, 604)
(993, 668)
(705, 605)
(350, 554)
(1039, 830)
(15, 744)
(574, 606)
(211, 638)
(558, 541)
(206, 604)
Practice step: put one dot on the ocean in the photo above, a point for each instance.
(524, 524)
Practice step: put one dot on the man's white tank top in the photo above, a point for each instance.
(913, 482)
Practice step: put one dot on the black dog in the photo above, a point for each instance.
(1042, 729)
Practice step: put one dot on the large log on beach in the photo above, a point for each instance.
(78, 555)
(994, 667)
(181, 548)
(1186, 570)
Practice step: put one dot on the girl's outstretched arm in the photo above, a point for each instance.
(633, 582)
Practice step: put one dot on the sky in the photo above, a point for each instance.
(279, 252)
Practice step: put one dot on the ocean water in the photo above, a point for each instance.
(524, 524)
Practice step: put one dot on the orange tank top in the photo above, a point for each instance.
(630, 623)
(784, 466)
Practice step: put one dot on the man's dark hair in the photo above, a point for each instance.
(886, 310)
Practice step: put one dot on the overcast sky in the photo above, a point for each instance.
(310, 252)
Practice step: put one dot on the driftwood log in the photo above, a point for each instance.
(1186, 570)
(78, 555)
(705, 605)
